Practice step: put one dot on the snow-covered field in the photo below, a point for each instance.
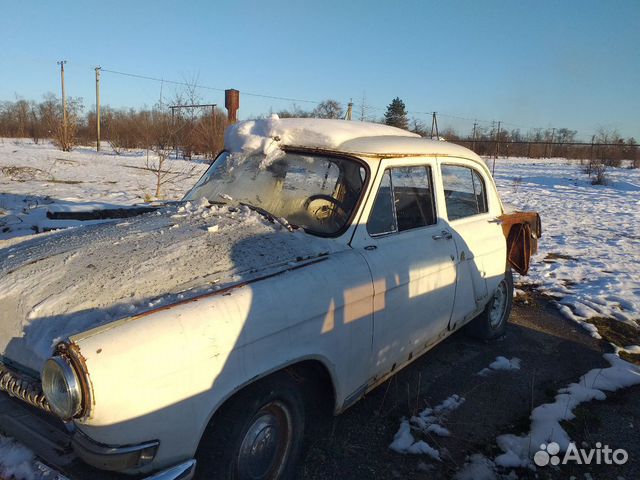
(589, 255)
(37, 178)
(589, 258)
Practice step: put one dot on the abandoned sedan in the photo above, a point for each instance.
(314, 259)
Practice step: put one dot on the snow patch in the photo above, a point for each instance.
(16, 461)
(404, 442)
(546, 418)
(501, 363)
(477, 467)
(427, 421)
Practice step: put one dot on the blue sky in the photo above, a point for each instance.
(572, 64)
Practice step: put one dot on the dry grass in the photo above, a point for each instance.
(619, 333)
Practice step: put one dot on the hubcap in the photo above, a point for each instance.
(265, 447)
(499, 305)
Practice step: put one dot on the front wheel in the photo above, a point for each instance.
(257, 435)
(492, 322)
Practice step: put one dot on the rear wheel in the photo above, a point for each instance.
(257, 435)
(492, 322)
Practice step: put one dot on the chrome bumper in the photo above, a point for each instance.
(183, 471)
(57, 448)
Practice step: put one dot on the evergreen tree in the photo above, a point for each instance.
(396, 114)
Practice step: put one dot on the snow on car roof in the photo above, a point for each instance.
(261, 134)
(390, 146)
(372, 139)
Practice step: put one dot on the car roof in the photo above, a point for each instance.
(372, 140)
(398, 146)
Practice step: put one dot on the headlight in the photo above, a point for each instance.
(61, 386)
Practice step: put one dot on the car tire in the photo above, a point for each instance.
(256, 435)
(492, 322)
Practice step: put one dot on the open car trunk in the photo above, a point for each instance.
(522, 231)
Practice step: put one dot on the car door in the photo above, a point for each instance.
(476, 232)
(411, 254)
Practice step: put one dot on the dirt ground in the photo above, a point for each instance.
(554, 352)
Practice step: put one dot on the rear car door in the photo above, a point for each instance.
(411, 254)
(480, 243)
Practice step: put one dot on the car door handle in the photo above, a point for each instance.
(444, 234)
(370, 247)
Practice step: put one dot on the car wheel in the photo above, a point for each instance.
(257, 435)
(492, 322)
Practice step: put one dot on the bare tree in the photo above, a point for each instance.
(165, 170)
(65, 135)
(295, 112)
(328, 109)
(419, 127)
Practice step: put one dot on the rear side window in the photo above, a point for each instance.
(404, 201)
(464, 192)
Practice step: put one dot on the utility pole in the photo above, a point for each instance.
(493, 170)
(473, 143)
(553, 134)
(349, 111)
(434, 125)
(593, 139)
(64, 100)
(98, 109)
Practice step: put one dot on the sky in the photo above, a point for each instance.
(529, 64)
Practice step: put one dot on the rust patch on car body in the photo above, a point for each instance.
(522, 231)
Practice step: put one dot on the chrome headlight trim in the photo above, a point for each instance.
(62, 367)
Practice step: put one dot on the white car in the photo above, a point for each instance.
(313, 260)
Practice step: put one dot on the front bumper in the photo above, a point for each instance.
(113, 458)
(182, 471)
(58, 450)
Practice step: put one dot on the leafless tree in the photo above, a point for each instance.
(328, 109)
(165, 170)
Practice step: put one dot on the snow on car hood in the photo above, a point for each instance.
(65, 283)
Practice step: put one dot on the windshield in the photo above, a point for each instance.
(315, 192)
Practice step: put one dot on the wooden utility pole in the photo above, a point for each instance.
(98, 109)
(473, 143)
(434, 125)
(493, 170)
(64, 99)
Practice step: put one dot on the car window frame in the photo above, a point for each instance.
(364, 193)
(473, 168)
(430, 167)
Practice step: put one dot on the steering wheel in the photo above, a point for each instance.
(324, 212)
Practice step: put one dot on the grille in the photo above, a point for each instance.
(26, 390)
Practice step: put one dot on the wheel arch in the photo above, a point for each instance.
(315, 373)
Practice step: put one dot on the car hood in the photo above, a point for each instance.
(60, 284)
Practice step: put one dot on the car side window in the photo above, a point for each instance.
(382, 218)
(464, 192)
(404, 201)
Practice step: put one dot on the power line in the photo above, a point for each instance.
(315, 102)
(301, 100)
(206, 87)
